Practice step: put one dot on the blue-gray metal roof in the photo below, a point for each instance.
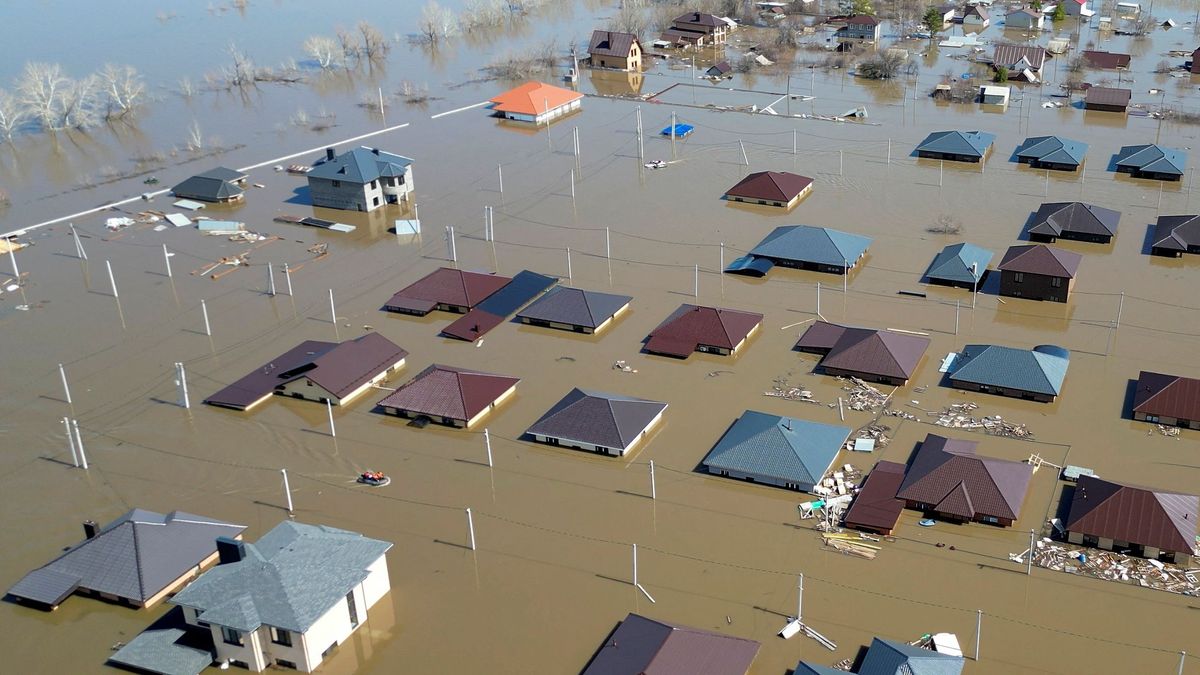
(885, 657)
(954, 263)
(797, 451)
(957, 143)
(1154, 158)
(361, 166)
(751, 266)
(1054, 149)
(288, 579)
(575, 306)
(159, 651)
(206, 188)
(525, 286)
(806, 243)
(803, 668)
(1041, 369)
(136, 556)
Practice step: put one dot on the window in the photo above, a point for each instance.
(353, 609)
(337, 183)
(1018, 277)
(281, 636)
(232, 637)
(1056, 282)
(373, 185)
(284, 663)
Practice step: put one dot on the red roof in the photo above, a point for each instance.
(449, 286)
(876, 506)
(863, 20)
(1165, 520)
(1039, 259)
(691, 326)
(946, 472)
(1167, 396)
(454, 393)
(772, 186)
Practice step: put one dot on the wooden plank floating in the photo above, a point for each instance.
(315, 222)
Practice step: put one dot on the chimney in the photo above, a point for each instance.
(90, 529)
(375, 151)
(329, 154)
(230, 550)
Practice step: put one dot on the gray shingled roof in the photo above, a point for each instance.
(206, 189)
(288, 579)
(597, 418)
(135, 557)
(161, 651)
(575, 306)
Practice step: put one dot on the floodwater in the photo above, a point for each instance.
(551, 574)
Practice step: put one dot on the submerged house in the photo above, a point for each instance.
(609, 49)
(642, 646)
(536, 103)
(1023, 63)
(575, 309)
(963, 265)
(1052, 152)
(455, 397)
(1074, 220)
(805, 247)
(1105, 60)
(218, 186)
(876, 508)
(362, 179)
(975, 18)
(887, 657)
(1107, 99)
(711, 330)
(1151, 161)
(445, 289)
(771, 188)
(861, 27)
(289, 599)
(1033, 374)
(781, 451)
(594, 421)
(136, 560)
(1154, 524)
(1038, 272)
(1170, 400)
(1025, 18)
(317, 371)
(956, 146)
(497, 307)
(868, 354)
(1175, 235)
(697, 29)
(948, 480)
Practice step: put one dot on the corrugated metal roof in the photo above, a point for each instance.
(162, 651)
(1165, 520)
(1056, 218)
(1167, 396)
(446, 391)
(642, 646)
(876, 505)
(1019, 56)
(449, 286)
(575, 306)
(534, 98)
(966, 143)
(610, 43)
(803, 668)
(360, 166)
(1176, 233)
(1107, 96)
(1041, 259)
(261, 382)
(1105, 60)
(820, 336)
(877, 352)
(954, 262)
(817, 245)
(225, 173)
(350, 364)
(947, 473)
(1053, 149)
(785, 448)
(598, 418)
(886, 657)
(690, 326)
(772, 186)
(1152, 158)
(1035, 371)
(750, 265)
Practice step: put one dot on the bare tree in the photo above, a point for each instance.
(79, 103)
(374, 44)
(348, 43)
(632, 17)
(40, 89)
(195, 141)
(12, 115)
(436, 22)
(241, 72)
(124, 88)
(324, 50)
(186, 88)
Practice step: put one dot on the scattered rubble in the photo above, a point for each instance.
(623, 367)
(1111, 566)
(863, 396)
(874, 432)
(955, 416)
(1167, 431)
(783, 389)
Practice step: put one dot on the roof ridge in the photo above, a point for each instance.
(587, 304)
(878, 334)
(1164, 389)
(137, 559)
(992, 479)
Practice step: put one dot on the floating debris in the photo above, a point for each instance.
(875, 434)
(783, 389)
(1111, 566)
(623, 367)
(956, 417)
(863, 396)
(1167, 431)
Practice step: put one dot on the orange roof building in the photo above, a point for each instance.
(536, 102)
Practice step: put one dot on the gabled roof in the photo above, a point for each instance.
(886, 657)
(448, 286)
(445, 391)
(1153, 158)
(1176, 233)
(1164, 520)
(225, 173)
(700, 18)
(135, 556)
(862, 20)
(866, 350)
(1020, 55)
(1041, 259)
(1023, 12)
(967, 143)
(1055, 218)
(1167, 396)
(1055, 149)
(1107, 96)
(977, 10)
(1040, 370)
(803, 668)
(597, 418)
(575, 306)
(798, 451)
(1105, 60)
(641, 646)
(348, 365)
(360, 166)
(692, 325)
(772, 186)
(261, 382)
(820, 245)
(876, 505)
(288, 579)
(954, 262)
(206, 189)
(947, 473)
(610, 43)
(534, 98)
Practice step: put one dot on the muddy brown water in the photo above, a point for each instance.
(550, 578)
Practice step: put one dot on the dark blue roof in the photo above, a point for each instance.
(751, 266)
(1053, 149)
(524, 287)
(969, 143)
(794, 450)
(954, 263)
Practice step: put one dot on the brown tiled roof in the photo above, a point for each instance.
(260, 383)
(822, 336)
(641, 646)
(772, 186)
(947, 473)
(450, 286)
(1105, 60)
(609, 43)
(445, 391)
(692, 325)
(1136, 515)
(876, 506)
(1167, 396)
(1107, 96)
(877, 352)
(1039, 259)
(350, 364)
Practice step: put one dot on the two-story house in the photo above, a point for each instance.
(362, 179)
(609, 49)
(861, 27)
(697, 29)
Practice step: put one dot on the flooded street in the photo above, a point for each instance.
(551, 575)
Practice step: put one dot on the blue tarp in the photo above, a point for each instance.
(681, 130)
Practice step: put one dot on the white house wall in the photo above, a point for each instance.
(250, 653)
(372, 382)
(378, 583)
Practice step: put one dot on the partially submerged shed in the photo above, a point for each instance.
(712, 330)
(609, 424)
(803, 247)
(781, 451)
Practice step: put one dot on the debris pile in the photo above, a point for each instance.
(852, 544)
(875, 432)
(894, 412)
(1112, 566)
(781, 388)
(956, 416)
(863, 396)
(1168, 431)
(840, 481)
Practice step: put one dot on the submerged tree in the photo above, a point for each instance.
(373, 44)
(933, 19)
(54, 100)
(324, 50)
(436, 22)
(881, 66)
(12, 115)
(124, 88)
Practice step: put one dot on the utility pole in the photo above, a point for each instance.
(66, 389)
(1029, 559)
(79, 444)
(204, 311)
(78, 244)
(111, 280)
(270, 279)
(287, 275)
(487, 443)
(653, 487)
(800, 599)
(181, 382)
(471, 528)
(287, 490)
(167, 260)
(978, 626)
(329, 409)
